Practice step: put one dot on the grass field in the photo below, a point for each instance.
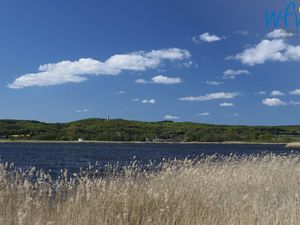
(209, 191)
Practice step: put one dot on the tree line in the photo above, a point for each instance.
(98, 129)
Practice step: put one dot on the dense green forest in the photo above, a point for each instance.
(163, 131)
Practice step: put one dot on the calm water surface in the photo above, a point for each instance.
(56, 156)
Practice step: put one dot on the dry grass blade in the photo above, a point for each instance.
(247, 191)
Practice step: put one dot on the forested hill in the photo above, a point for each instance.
(123, 130)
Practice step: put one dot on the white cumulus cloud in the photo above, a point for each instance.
(170, 117)
(276, 50)
(277, 93)
(206, 37)
(295, 92)
(231, 74)
(160, 79)
(273, 102)
(211, 96)
(279, 33)
(78, 71)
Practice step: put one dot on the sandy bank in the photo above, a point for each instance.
(293, 145)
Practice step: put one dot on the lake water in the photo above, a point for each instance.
(56, 156)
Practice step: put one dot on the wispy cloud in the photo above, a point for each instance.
(261, 93)
(294, 103)
(82, 110)
(187, 64)
(214, 83)
(121, 92)
(140, 81)
(206, 37)
(148, 101)
(144, 101)
(170, 117)
(78, 71)
(226, 104)
(203, 114)
(241, 32)
(231, 74)
(211, 96)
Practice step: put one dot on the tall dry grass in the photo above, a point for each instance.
(231, 191)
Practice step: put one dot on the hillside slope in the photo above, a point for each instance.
(123, 130)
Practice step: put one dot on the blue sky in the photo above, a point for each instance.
(200, 61)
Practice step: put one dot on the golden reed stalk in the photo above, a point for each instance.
(208, 191)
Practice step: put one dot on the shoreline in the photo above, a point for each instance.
(142, 142)
(293, 145)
